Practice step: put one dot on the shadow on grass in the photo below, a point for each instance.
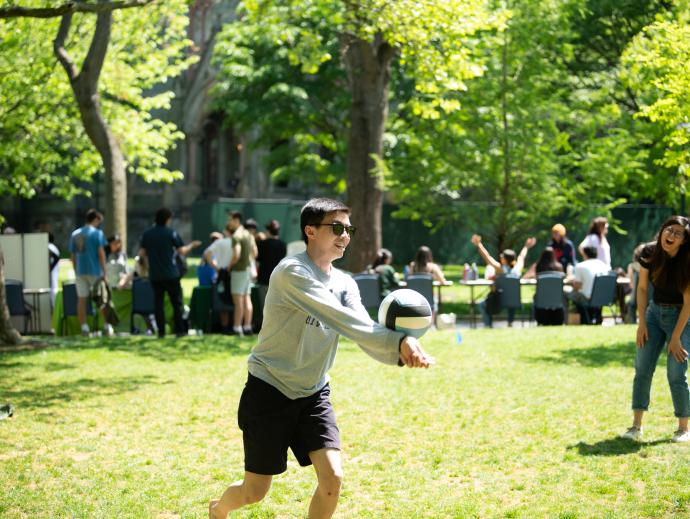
(168, 349)
(617, 354)
(613, 447)
(60, 393)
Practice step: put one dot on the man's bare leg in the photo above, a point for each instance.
(329, 471)
(238, 301)
(81, 309)
(252, 489)
(248, 311)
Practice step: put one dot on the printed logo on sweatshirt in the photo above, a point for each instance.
(313, 321)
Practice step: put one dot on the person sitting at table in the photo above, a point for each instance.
(509, 263)
(583, 283)
(115, 262)
(563, 248)
(424, 264)
(546, 263)
(382, 266)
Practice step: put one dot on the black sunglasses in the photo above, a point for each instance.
(338, 228)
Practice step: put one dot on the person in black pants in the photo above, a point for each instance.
(159, 244)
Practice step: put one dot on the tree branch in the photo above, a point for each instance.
(59, 48)
(69, 8)
(95, 57)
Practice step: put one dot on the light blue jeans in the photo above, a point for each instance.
(661, 320)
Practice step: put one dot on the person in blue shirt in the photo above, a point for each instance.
(88, 257)
(159, 244)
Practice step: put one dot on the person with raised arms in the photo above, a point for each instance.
(286, 400)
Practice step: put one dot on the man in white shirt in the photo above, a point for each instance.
(219, 255)
(583, 282)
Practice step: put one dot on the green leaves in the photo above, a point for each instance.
(42, 141)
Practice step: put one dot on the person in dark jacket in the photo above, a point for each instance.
(159, 244)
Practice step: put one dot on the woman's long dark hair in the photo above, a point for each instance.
(598, 225)
(547, 261)
(422, 259)
(382, 257)
(663, 271)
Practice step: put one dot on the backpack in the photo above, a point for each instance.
(181, 264)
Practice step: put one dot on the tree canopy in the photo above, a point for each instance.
(43, 144)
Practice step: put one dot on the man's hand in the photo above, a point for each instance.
(530, 242)
(476, 239)
(412, 354)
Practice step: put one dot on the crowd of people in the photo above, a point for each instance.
(236, 259)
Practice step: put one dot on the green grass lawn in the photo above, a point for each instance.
(510, 423)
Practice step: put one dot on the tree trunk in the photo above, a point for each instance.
(8, 335)
(368, 67)
(85, 88)
(505, 202)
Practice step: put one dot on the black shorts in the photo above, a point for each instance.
(271, 422)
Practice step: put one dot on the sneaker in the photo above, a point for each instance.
(85, 330)
(109, 331)
(681, 436)
(634, 433)
(247, 331)
(237, 330)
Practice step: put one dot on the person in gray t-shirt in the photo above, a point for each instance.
(285, 402)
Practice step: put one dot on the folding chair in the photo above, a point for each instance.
(424, 284)
(603, 294)
(508, 287)
(217, 305)
(549, 304)
(142, 301)
(69, 306)
(369, 291)
(14, 293)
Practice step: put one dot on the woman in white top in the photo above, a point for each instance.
(596, 237)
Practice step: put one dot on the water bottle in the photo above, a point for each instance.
(475, 271)
(458, 336)
(466, 272)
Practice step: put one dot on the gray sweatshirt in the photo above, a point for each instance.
(306, 310)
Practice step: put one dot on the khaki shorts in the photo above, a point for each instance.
(84, 283)
(240, 282)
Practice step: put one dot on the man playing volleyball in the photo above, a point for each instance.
(285, 402)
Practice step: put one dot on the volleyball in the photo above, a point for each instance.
(406, 311)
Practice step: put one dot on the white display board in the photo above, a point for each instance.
(26, 260)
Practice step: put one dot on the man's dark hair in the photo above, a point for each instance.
(163, 215)
(590, 252)
(250, 223)
(92, 214)
(235, 215)
(316, 209)
(273, 227)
